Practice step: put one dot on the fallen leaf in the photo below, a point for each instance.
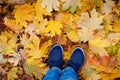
(92, 22)
(116, 26)
(73, 35)
(30, 68)
(104, 63)
(59, 40)
(2, 60)
(40, 26)
(107, 7)
(93, 76)
(12, 74)
(111, 76)
(23, 13)
(98, 46)
(50, 5)
(40, 11)
(71, 4)
(85, 34)
(8, 42)
(53, 27)
(14, 59)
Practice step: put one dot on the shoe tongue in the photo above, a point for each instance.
(56, 63)
(74, 65)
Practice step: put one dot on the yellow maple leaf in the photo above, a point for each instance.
(40, 11)
(68, 19)
(12, 74)
(111, 76)
(97, 45)
(8, 42)
(11, 24)
(73, 35)
(45, 48)
(23, 13)
(41, 26)
(116, 25)
(34, 51)
(53, 27)
(31, 67)
(99, 42)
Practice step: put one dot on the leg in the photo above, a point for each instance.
(53, 74)
(69, 74)
(55, 62)
(75, 63)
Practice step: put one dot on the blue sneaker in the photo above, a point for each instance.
(77, 59)
(56, 56)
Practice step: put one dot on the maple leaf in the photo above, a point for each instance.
(73, 35)
(33, 48)
(8, 42)
(45, 47)
(114, 37)
(50, 5)
(90, 4)
(30, 30)
(12, 74)
(11, 24)
(53, 27)
(107, 24)
(72, 4)
(15, 59)
(85, 34)
(93, 76)
(116, 25)
(24, 40)
(40, 26)
(115, 74)
(2, 60)
(30, 68)
(2, 71)
(93, 23)
(59, 40)
(97, 45)
(40, 11)
(107, 7)
(114, 49)
(104, 63)
(23, 13)
(35, 51)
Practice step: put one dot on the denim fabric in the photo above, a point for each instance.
(56, 74)
(68, 74)
(53, 74)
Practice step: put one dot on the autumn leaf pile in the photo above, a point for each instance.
(29, 28)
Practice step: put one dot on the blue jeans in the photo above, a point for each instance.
(56, 74)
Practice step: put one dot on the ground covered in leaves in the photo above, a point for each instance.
(29, 28)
